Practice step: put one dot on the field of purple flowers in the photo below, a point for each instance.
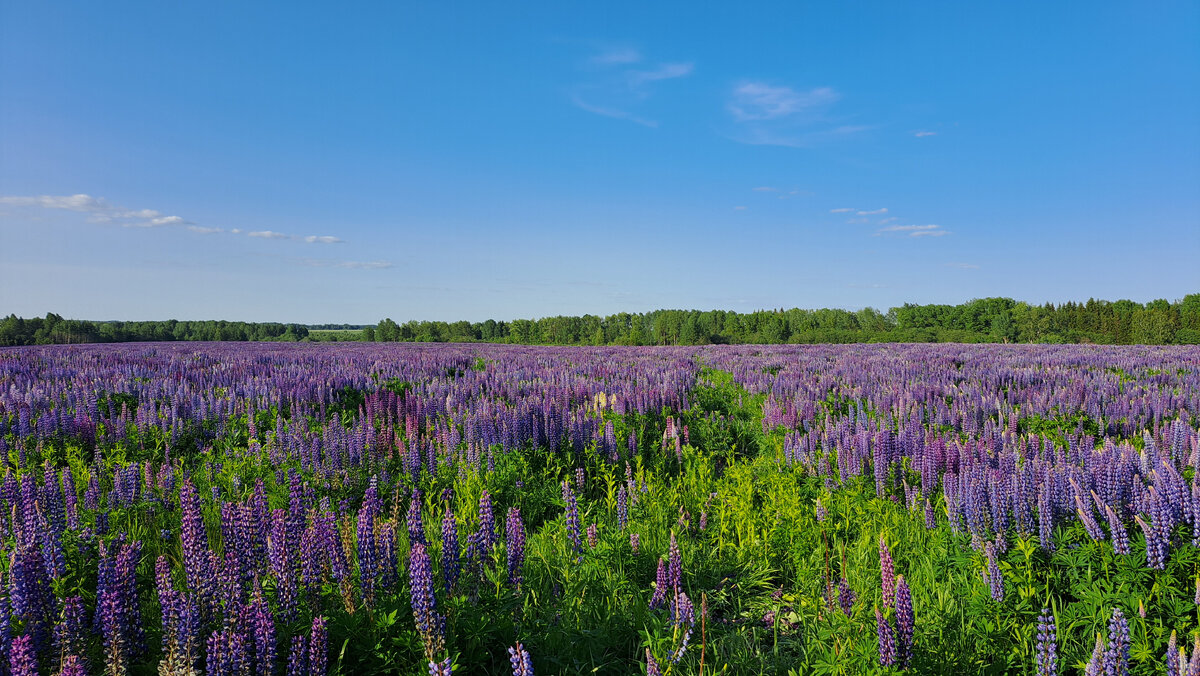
(481, 509)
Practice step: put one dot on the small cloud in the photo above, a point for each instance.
(611, 112)
(873, 213)
(324, 239)
(617, 56)
(761, 101)
(666, 71)
(843, 210)
(963, 266)
(348, 265)
(236, 231)
(923, 133)
(739, 208)
(203, 231)
(167, 220)
(81, 202)
(915, 230)
(267, 234)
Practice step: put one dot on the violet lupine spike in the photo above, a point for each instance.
(298, 657)
(318, 648)
(1116, 656)
(887, 574)
(1171, 659)
(518, 658)
(635, 542)
(1095, 666)
(651, 665)
(515, 546)
(674, 565)
(262, 626)
(72, 665)
(905, 622)
(416, 525)
(683, 617)
(661, 584)
(592, 535)
(424, 606)
(1046, 655)
(992, 574)
(887, 642)
(846, 597)
(443, 668)
(227, 654)
(572, 522)
(622, 507)
(22, 658)
(450, 553)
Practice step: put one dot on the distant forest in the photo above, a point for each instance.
(996, 320)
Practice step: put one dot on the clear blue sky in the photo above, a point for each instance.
(339, 163)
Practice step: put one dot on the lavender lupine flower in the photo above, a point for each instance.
(1156, 548)
(443, 668)
(660, 586)
(515, 546)
(227, 655)
(820, 510)
(846, 596)
(522, 664)
(651, 665)
(72, 665)
(887, 574)
(1116, 657)
(318, 648)
(905, 621)
(5, 627)
(1171, 659)
(486, 537)
(572, 519)
(416, 526)
(674, 565)
(298, 657)
(425, 616)
(262, 626)
(635, 542)
(887, 643)
(22, 659)
(683, 617)
(117, 613)
(592, 535)
(1095, 666)
(1120, 537)
(622, 506)
(450, 564)
(992, 574)
(70, 632)
(1046, 655)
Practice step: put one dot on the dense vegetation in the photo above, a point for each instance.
(980, 321)
(434, 509)
(53, 329)
(988, 320)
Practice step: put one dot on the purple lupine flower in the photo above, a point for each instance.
(592, 535)
(846, 596)
(1120, 537)
(416, 526)
(1095, 666)
(518, 657)
(651, 665)
(486, 535)
(683, 617)
(227, 654)
(298, 657)
(992, 574)
(5, 627)
(660, 586)
(70, 632)
(635, 542)
(22, 659)
(887, 574)
(515, 546)
(443, 668)
(72, 665)
(622, 507)
(1046, 654)
(262, 628)
(572, 523)
(905, 621)
(424, 606)
(117, 612)
(318, 648)
(674, 565)
(1171, 659)
(887, 642)
(450, 563)
(1116, 657)
(820, 510)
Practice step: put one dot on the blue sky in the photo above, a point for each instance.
(313, 163)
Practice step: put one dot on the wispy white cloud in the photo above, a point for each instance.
(323, 239)
(842, 210)
(963, 266)
(611, 112)
(761, 101)
(616, 56)
(268, 234)
(914, 230)
(889, 219)
(615, 89)
(922, 133)
(204, 231)
(875, 212)
(97, 209)
(349, 265)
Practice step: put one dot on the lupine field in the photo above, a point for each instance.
(305, 510)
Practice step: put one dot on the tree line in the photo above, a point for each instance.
(53, 329)
(1121, 322)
